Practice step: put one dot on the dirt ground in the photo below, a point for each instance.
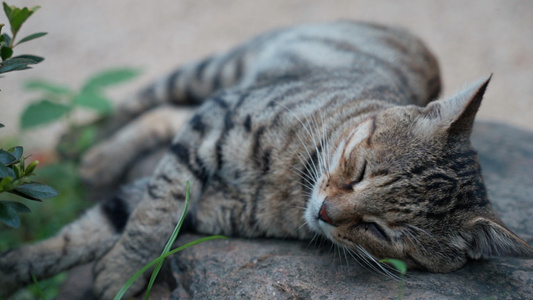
(470, 38)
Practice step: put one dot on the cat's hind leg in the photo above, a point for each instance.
(82, 241)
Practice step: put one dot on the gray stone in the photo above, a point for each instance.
(285, 269)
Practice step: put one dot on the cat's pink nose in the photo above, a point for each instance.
(323, 214)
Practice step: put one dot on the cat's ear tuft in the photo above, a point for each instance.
(491, 239)
(457, 114)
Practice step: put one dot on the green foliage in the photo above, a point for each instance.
(14, 175)
(158, 262)
(42, 112)
(15, 178)
(16, 17)
(58, 101)
(51, 217)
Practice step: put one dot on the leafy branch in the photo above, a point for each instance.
(60, 102)
(16, 17)
(15, 176)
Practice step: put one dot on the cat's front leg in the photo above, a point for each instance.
(149, 132)
(148, 228)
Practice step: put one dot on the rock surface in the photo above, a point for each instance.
(279, 269)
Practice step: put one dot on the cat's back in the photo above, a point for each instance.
(397, 61)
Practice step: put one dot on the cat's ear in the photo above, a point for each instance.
(457, 113)
(490, 239)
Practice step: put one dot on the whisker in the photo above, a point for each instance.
(357, 259)
(383, 268)
(316, 169)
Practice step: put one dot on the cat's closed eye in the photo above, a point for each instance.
(374, 229)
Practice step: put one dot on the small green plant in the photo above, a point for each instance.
(401, 267)
(15, 178)
(158, 262)
(16, 17)
(59, 102)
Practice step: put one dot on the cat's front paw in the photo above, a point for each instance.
(111, 273)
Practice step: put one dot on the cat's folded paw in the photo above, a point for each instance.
(111, 274)
(104, 164)
(101, 165)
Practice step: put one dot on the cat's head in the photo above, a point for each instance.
(407, 184)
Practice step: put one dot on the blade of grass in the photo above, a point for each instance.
(39, 290)
(169, 243)
(126, 286)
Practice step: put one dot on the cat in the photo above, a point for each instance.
(324, 129)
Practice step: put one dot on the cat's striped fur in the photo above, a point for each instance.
(319, 129)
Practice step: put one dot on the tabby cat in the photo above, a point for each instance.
(324, 129)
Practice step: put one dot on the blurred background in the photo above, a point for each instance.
(470, 38)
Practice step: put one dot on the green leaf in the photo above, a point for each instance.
(16, 169)
(16, 152)
(6, 183)
(18, 17)
(36, 191)
(9, 211)
(93, 100)
(32, 37)
(34, 9)
(8, 11)
(42, 112)
(86, 139)
(29, 59)
(6, 157)
(6, 172)
(399, 265)
(31, 167)
(6, 38)
(1, 125)
(18, 63)
(47, 87)
(8, 215)
(6, 53)
(4, 68)
(17, 207)
(110, 77)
